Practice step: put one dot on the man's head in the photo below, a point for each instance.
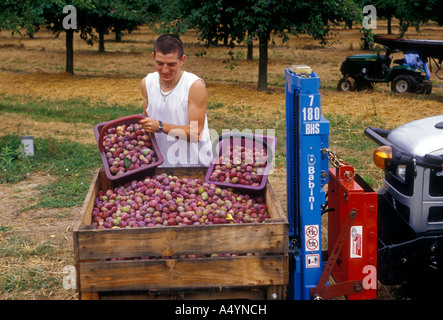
(168, 43)
(168, 57)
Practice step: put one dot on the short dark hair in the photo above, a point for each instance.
(169, 43)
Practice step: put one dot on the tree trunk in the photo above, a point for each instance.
(389, 26)
(349, 24)
(263, 64)
(101, 42)
(118, 35)
(70, 51)
(249, 55)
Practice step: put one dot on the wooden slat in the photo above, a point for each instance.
(178, 240)
(89, 296)
(244, 293)
(184, 273)
(88, 204)
(274, 208)
(189, 172)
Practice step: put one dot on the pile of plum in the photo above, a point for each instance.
(240, 165)
(165, 200)
(127, 147)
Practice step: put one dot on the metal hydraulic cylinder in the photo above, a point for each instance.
(307, 135)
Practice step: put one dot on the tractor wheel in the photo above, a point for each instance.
(425, 87)
(346, 84)
(403, 84)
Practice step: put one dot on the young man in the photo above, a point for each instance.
(175, 106)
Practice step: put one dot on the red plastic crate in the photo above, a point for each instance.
(146, 170)
(248, 141)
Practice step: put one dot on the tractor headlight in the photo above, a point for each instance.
(383, 157)
(401, 171)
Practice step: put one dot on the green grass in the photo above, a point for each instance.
(69, 158)
(23, 247)
(348, 140)
(68, 192)
(30, 276)
(72, 163)
(63, 158)
(70, 111)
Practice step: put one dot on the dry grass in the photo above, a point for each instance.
(115, 75)
(35, 68)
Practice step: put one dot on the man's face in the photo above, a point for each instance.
(168, 65)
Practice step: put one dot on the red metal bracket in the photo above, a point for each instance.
(322, 291)
(352, 238)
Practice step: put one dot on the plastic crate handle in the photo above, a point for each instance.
(113, 123)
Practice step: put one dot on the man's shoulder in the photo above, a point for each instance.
(192, 80)
(191, 76)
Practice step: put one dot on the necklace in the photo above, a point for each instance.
(165, 95)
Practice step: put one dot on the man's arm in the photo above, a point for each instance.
(197, 102)
(144, 95)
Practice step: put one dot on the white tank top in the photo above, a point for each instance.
(172, 107)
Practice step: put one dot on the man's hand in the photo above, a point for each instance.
(149, 124)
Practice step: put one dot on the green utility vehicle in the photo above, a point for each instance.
(407, 75)
(363, 70)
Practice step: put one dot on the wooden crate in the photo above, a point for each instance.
(243, 276)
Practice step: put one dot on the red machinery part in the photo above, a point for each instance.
(357, 260)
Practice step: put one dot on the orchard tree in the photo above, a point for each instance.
(69, 17)
(101, 15)
(119, 16)
(410, 13)
(415, 12)
(437, 13)
(387, 9)
(76, 16)
(18, 15)
(242, 21)
(33, 14)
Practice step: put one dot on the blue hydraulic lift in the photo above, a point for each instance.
(307, 133)
(351, 204)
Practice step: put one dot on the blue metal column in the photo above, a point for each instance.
(307, 133)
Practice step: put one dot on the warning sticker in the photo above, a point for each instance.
(356, 242)
(311, 244)
(312, 238)
(312, 260)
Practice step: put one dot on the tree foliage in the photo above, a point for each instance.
(234, 22)
(216, 21)
(410, 13)
(16, 15)
(92, 16)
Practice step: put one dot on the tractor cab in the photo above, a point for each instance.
(410, 217)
